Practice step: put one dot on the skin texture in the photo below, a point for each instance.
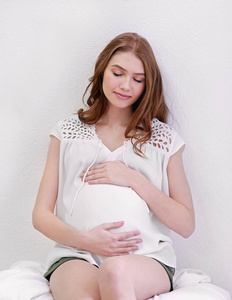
(121, 276)
(123, 80)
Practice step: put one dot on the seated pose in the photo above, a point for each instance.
(114, 177)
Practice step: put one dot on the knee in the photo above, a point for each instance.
(112, 273)
(87, 298)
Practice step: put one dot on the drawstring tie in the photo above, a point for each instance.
(83, 181)
(124, 161)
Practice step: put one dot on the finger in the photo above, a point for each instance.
(130, 243)
(94, 174)
(127, 249)
(123, 250)
(97, 173)
(99, 166)
(95, 178)
(127, 235)
(96, 181)
(91, 172)
(126, 246)
(94, 168)
(123, 235)
(108, 226)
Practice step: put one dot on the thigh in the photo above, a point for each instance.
(75, 279)
(147, 276)
(150, 277)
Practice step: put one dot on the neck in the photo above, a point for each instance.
(116, 117)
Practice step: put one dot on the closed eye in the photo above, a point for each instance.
(116, 74)
(119, 74)
(139, 81)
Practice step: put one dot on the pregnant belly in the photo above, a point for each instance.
(104, 203)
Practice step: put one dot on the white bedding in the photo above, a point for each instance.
(24, 281)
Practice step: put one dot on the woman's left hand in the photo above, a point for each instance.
(111, 172)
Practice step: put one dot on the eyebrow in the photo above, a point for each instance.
(118, 66)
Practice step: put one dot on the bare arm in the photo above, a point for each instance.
(175, 211)
(99, 240)
(43, 216)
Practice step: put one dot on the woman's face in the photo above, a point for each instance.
(123, 79)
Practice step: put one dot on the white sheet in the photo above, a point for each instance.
(24, 281)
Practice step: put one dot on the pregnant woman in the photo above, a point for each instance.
(114, 184)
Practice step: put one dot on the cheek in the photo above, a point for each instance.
(108, 81)
(140, 89)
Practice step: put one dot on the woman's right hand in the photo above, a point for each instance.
(100, 240)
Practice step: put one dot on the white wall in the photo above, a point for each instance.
(48, 49)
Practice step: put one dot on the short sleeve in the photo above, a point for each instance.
(57, 131)
(177, 143)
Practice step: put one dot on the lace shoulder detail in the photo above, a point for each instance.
(161, 137)
(72, 128)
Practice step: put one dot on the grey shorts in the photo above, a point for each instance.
(170, 271)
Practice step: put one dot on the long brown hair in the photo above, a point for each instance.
(151, 102)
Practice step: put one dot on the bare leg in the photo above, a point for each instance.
(132, 277)
(75, 279)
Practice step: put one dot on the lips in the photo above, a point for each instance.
(122, 96)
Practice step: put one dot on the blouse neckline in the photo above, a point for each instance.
(93, 129)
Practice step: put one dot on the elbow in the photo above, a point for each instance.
(188, 225)
(188, 230)
(40, 219)
(187, 233)
(35, 220)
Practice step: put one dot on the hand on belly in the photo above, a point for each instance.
(101, 241)
(105, 203)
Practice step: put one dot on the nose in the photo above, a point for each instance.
(125, 84)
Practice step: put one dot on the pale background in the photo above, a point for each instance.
(47, 53)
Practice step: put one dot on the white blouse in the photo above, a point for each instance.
(85, 206)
